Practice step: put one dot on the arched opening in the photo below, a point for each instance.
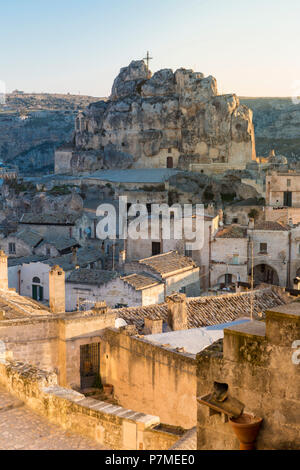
(37, 289)
(266, 274)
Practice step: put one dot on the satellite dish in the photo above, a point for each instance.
(119, 322)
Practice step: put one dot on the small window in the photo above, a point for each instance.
(288, 183)
(170, 150)
(80, 233)
(235, 220)
(235, 259)
(48, 251)
(36, 280)
(12, 248)
(263, 248)
(228, 279)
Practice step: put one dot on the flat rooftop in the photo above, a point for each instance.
(193, 340)
(143, 175)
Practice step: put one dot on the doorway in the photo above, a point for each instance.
(89, 365)
(169, 162)
(37, 290)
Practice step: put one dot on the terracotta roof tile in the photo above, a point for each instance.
(206, 311)
(168, 262)
(268, 225)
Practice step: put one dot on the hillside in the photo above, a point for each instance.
(33, 125)
(277, 125)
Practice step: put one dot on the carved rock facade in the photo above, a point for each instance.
(166, 120)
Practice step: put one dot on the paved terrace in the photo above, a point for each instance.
(23, 429)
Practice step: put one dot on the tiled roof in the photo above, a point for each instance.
(268, 225)
(85, 256)
(140, 281)
(206, 311)
(28, 236)
(26, 260)
(91, 276)
(168, 262)
(233, 231)
(13, 306)
(60, 243)
(57, 218)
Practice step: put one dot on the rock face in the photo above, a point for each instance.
(168, 119)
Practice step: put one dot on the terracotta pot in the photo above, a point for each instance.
(108, 389)
(246, 429)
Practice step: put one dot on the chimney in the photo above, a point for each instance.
(100, 308)
(57, 293)
(152, 327)
(251, 224)
(3, 271)
(177, 312)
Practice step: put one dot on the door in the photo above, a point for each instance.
(34, 292)
(287, 201)
(169, 162)
(89, 365)
(155, 248)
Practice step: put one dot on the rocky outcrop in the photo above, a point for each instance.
(177, 118)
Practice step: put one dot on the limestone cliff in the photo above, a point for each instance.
(163, 120)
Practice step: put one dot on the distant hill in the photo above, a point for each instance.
(277, 125)
(33, 125)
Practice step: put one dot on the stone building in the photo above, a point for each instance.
(30, 276)
(21, 243)
(271, 253)
(26, 242)
(200, 254)
(73, 225)
(167, 120)
(260, 364)
(85, 287)
(229, 252)
(283, 196)
(178, 273)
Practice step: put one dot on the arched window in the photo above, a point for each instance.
(36, 280)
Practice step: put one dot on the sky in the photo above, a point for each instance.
(251, 47)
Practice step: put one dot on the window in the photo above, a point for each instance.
(170, 150)
(48, 251)
(235, 259)
(263, 248)
(36, 280)
(235, 220)
(288, 183)
(80, 233)
(12, 248)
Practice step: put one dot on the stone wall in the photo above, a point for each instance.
(112, 426)
(53, 342)
(150, 378)
(259, 365)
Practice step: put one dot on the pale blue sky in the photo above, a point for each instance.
(251, 47)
